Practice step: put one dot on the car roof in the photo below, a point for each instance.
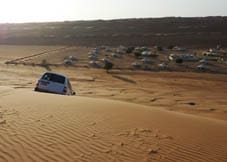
(55, 74)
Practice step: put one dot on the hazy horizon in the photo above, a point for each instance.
(73, 10)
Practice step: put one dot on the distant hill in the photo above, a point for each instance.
(190, 32)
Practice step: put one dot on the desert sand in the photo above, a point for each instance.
(119, 116)
(191, 31)
(46, 127)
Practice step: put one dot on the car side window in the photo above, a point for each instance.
(47, 77)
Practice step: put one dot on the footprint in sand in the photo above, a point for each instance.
(107, 151)
(93, 123)
(191, 103)
(2, 121)
(153, 150)
(154, 99)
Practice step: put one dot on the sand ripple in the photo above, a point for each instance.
(43, 127)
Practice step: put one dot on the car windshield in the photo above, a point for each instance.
(54, 78)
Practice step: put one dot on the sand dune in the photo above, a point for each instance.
(194, 93)
(46, 127)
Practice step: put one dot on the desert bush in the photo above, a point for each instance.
(130, 50)
(195, 53)
(108, 66)
(137, 54)
(159, 48)
(44, 62)
(170, 47)
(179, 61)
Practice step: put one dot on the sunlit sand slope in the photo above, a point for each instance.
(46, 127)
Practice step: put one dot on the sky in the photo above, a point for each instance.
(13, 11)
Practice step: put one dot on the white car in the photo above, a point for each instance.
(54, 83)
(202, 67)
(163, 66)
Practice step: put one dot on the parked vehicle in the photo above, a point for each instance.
(184, 57)
(163, 66)
(94, 64)
(202, 67)
(54, 83)
(146, 60)
(136, 65)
